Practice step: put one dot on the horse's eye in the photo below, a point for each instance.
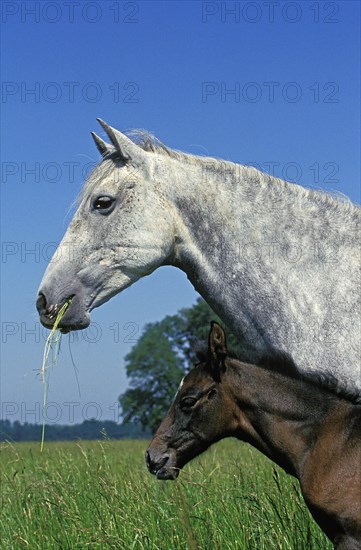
(103, 203)
(188, 402)
(212, 393)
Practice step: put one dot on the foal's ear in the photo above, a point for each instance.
(217, 347)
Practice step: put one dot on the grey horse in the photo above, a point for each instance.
(279, 263)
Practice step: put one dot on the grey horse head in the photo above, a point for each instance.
(122, 230)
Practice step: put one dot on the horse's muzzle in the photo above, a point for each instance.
(162, 466)
(75, 317)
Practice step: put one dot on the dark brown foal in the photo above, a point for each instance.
(311, 432)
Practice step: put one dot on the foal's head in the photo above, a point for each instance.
(201, 414)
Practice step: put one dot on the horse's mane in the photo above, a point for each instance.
(235, 172)
(149, 143)
(282, 364)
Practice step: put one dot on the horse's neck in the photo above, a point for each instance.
(243, 245)
(277, 415)
(223, 247)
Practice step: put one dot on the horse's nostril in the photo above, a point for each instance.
(163, 462)
(149, 462)
(41, 303)
(155, 464)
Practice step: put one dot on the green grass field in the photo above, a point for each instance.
(99, 495)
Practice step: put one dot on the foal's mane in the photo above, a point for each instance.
(282, 364)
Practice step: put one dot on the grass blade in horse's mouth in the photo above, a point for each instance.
(52, 343)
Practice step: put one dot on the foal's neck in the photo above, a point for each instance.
(279, 415)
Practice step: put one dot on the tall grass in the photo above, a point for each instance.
(99, 495)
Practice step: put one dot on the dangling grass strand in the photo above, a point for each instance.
(52, 344)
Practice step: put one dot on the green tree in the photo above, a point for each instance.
(159, 360)
(154, 371)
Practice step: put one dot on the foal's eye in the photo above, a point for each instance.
(103, 203)
(212, 393)
(188, 402)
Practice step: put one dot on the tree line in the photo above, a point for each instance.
(88, 429)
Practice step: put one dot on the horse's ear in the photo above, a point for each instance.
(103, 147)
(126, 149)
(217, 347)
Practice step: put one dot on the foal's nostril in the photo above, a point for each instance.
(155, 465)
(163, 462)
(41, 303)
(148, 460)
(150, 464)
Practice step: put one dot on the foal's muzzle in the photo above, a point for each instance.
(160, 465)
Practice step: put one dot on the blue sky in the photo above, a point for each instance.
(276, 85)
